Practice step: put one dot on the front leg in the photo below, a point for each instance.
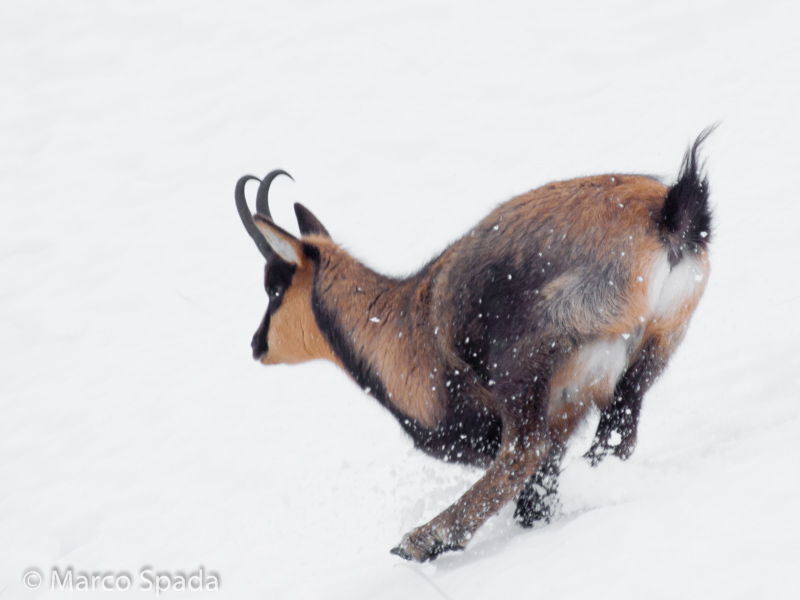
(519, 458)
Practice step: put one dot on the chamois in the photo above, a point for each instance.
(569, 297)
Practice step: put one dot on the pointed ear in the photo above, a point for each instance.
(283, 243)
(308, 223)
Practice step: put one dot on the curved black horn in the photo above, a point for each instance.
(247, 218)
(262, 202)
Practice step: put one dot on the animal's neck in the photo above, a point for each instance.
(380, 328)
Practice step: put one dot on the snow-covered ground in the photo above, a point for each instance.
(136, 431)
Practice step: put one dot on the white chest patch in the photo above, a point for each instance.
(671, 288)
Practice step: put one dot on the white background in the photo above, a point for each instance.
(135, 430)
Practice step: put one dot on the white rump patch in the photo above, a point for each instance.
(671, 288)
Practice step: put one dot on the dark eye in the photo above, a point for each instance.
(274, 291)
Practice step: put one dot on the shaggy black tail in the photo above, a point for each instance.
(686, 216)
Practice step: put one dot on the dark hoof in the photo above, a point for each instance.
(595, 455)
(625, 448)
(537, 503)
(600, 449)
(539, 510)
(422, 545)
(401, 552)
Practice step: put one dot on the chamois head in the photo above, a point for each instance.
(288, 332)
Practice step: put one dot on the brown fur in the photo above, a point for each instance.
(385, 343)
(497, 349)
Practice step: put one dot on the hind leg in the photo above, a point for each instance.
(619, 421)
(538, 499)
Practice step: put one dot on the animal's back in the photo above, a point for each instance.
(557, 260)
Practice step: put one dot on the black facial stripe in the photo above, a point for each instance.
(278, 276)
(259, 343)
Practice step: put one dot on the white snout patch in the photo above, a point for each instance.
(671, 288)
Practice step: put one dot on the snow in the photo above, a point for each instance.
(136, 431)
